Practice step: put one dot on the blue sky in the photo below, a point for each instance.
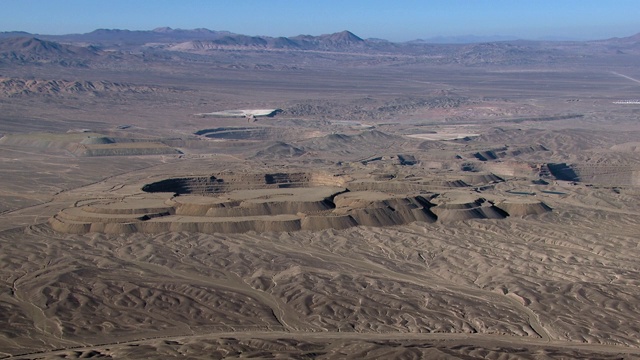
(399, 20)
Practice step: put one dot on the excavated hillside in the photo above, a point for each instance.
(283, 202)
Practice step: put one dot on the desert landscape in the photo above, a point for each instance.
(199, 194)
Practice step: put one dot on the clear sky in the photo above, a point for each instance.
(399, 20)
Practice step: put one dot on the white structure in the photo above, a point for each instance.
(627, 102)
(250, 114)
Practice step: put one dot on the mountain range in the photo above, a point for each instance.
(123, 39)
(101, 44)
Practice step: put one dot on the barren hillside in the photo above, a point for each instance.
(409, 201)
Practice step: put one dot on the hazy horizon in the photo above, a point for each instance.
(567, 20)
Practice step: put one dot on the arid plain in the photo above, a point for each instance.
(444, 202)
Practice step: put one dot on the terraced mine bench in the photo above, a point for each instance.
(241, 202)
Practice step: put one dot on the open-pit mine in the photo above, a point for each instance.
(236, 203)
(369, 201)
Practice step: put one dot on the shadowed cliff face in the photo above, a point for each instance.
(229, 182)
(563, 172)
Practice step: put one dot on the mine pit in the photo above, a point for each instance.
(276, 202)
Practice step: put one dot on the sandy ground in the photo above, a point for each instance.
(492, 285)
(527, 282)
(545, 284)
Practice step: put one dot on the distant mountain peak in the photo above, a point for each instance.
(344, 37)
(339, 40)
(169, 30)
(109, 31)
(164, 29)
(33, 44)
(629, 39)
(464, 39)
(23, 50)
(348, 34)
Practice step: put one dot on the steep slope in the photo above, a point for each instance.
(33, 50)
(12, 87)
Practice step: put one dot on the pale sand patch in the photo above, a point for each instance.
(442, 136)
